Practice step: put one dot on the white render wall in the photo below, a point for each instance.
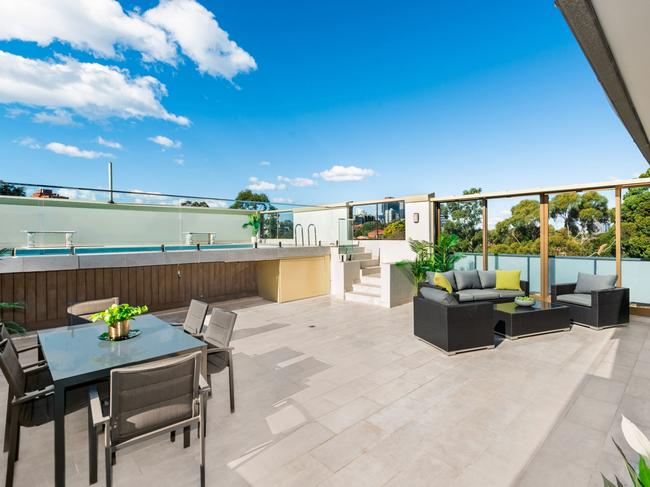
(103, 224)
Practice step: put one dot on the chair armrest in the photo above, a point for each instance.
(27, 349)
(41, 364)
(525, 286)
(219, 349)
(204, 386)
(559, 289)
(95, 405)
(32, 395)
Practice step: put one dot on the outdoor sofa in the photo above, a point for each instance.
(474, 285)
(594, 301)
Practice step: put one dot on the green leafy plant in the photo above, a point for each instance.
(11, 326)
(445, 254)
(118, 312)
(254, 223)
(639, 443)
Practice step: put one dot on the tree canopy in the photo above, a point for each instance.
(7, 189)
(248, 200)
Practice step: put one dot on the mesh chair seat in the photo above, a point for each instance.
(217, 362)
(80, 313)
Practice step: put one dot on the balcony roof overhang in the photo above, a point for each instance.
(615, 38)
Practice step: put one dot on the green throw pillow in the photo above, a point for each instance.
(508, 280)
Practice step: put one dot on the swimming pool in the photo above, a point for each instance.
(24, 252)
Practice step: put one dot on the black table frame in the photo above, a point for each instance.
(515, 322)
(61, 385)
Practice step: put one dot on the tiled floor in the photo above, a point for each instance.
(333, 393)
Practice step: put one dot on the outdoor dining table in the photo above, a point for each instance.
(76, 356)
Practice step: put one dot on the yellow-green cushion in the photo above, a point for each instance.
(508, 280)
(441, 281)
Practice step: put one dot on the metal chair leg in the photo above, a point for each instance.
(92, 449)
(202, 440)
(172, 436)
(17, 443)
(13, 449)
(109, 467)
(186, 437)
(7, 421)
(231, 381)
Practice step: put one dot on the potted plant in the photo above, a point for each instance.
(117, 318)
(254, 223)
(431, 257)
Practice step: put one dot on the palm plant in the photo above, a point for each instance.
(11, 326)
(437, 257)
(444, 253)
(254, 223)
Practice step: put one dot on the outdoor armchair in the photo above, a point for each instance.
(595, 308)
(80, 313)
(195, 317)
(146, 401)
(218, 335)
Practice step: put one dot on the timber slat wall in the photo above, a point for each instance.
(47, 294)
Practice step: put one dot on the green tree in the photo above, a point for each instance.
(195, 204)
(7, 189)
(566, 206)
(635, 221)
(247, 200)
(593, 213)
(463, 219)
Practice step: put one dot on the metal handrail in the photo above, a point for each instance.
(295, 235)
(315, 235)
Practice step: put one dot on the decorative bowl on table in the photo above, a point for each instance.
(524, 301)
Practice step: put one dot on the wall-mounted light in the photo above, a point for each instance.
(416, 218)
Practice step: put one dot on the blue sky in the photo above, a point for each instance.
(406, 98)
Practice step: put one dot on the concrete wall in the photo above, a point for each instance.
(103, 224)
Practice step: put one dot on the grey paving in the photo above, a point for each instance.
(333, 393)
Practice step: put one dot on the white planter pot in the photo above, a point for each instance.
(253, 240)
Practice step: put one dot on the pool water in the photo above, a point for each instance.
(23, 252)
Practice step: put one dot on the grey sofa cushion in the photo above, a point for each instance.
(466, 295)
(449, 275)
(467, 280)
(488, 279)
(590, 282)
(580, 299)
(507, 293)
(438, 295)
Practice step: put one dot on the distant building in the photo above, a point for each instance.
(48, 194)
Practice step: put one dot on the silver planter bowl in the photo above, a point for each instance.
(519, 302)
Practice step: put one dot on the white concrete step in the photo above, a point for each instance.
(367, 271)
(367, 289)
(371, 280)
(356, 250)
(369, 263)
(362, 298)
(361, 256)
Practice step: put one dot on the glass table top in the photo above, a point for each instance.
(512, 308)
(75, 351)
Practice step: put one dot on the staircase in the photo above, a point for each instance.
(367, 289)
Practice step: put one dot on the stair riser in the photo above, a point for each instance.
(368, 271)
(361, 298)
(362, 256)
(371, 280)
(363, 288)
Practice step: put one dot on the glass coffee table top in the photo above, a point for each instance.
(512, 308)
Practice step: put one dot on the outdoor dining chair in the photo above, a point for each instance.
(195, 317)
(31, 396)
(80, 313)
(218, 335)
(149, 400)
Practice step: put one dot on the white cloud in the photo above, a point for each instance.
(345, 173)
(28, 142)
(259, 185)
(15, 112)
(78, 194)
(165, 142)
(200, 38)
(104, 29)
(265, 163)
(180, 161)
(299, 182)
(281, 200)
(91, 90)
(73, 151)
(54, 117)
(108, 143)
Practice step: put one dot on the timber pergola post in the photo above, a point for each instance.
(484, 205)
(617, 230)
(543, 246)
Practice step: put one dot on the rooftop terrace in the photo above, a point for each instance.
(327, 398)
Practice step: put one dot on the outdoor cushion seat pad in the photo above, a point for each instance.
(590, 282)
(467, 280)
(507, 293)
(449, 275)
(580, 299)
(488, 279)
(477, 295)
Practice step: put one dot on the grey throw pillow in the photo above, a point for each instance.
(488, 279)
(449, 275)
(590, 282)
(467, 280)
(438, 295)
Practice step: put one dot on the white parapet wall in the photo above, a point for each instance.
(104, 224)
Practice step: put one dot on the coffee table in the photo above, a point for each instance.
(520, 321)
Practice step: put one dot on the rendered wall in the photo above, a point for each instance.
(114, 224)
